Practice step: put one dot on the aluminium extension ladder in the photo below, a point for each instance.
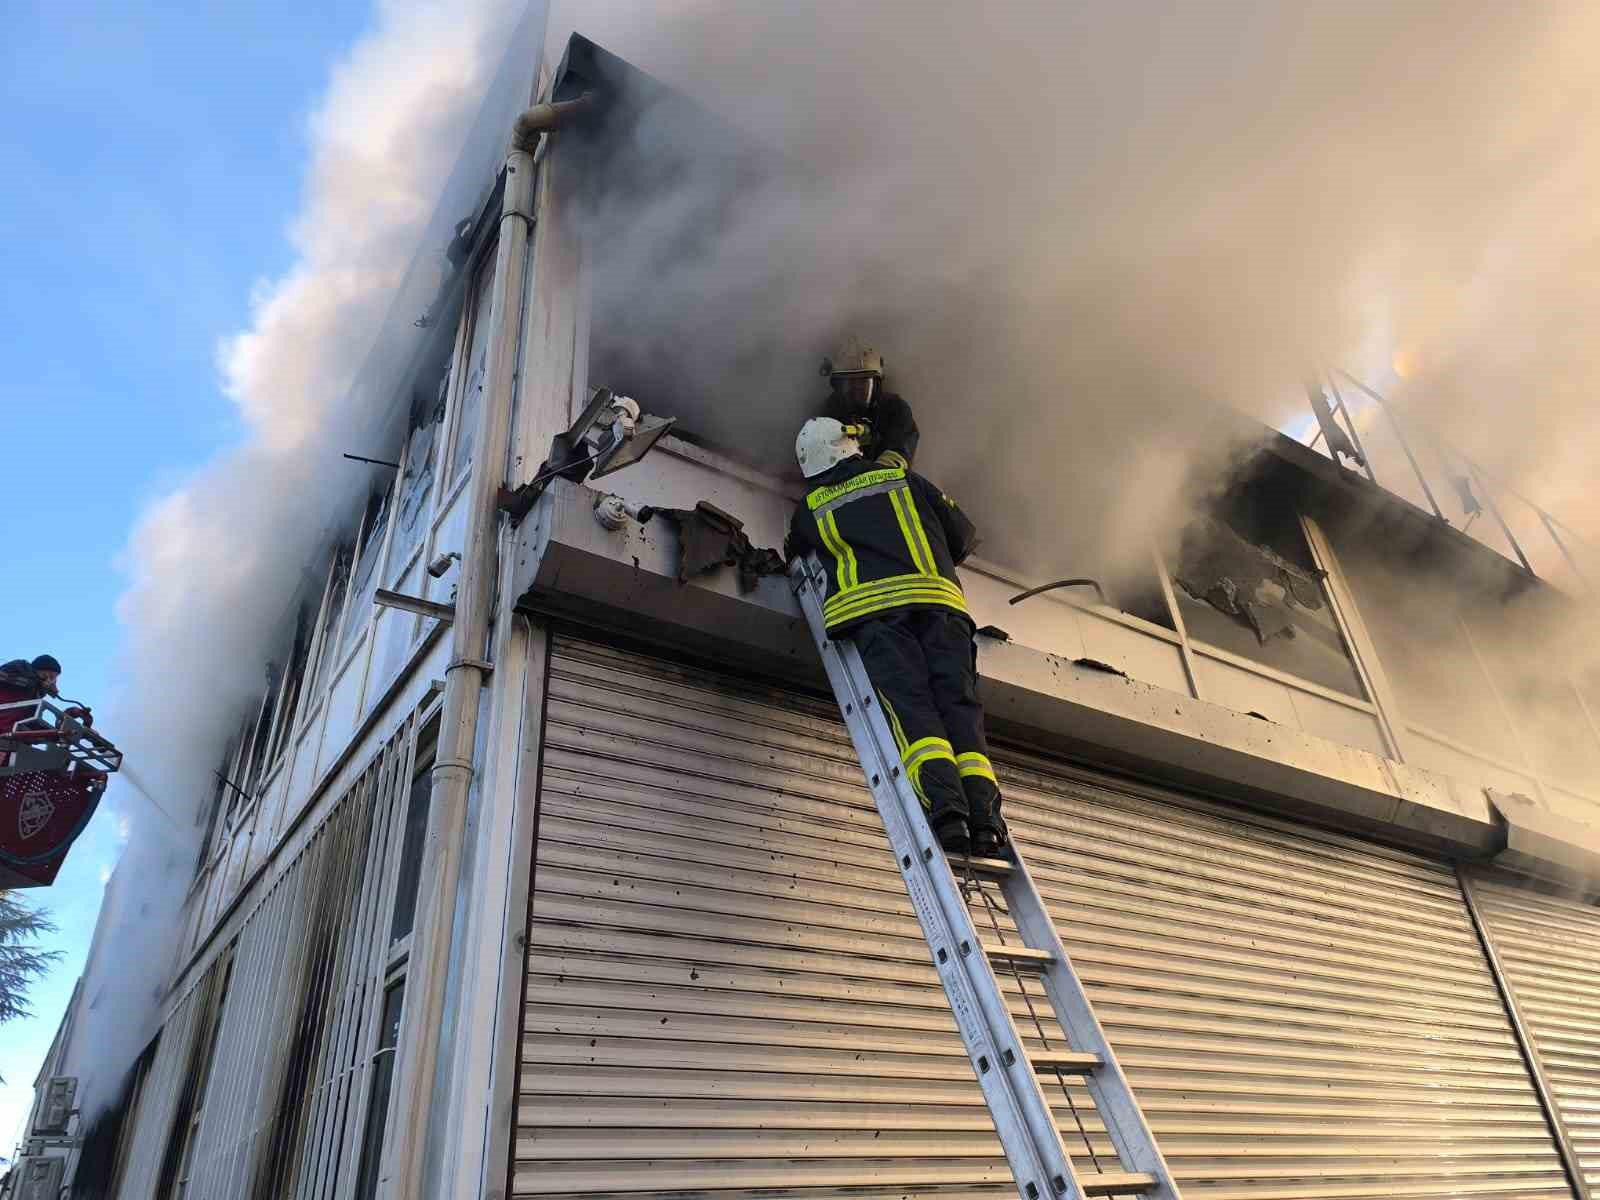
(1007, 1073)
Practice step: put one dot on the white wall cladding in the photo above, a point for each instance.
(280, 1110)
(727, 991)
(1549, 948)
(160, 1095)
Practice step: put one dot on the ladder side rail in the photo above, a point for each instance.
(1022, 1116)
(1108, 1086)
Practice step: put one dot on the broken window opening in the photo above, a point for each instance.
(366, 572)
(469, 400)
(293, 678)
(262, 733)
(339, 573)
(214, 810)
(416, 481)
(1245, 583)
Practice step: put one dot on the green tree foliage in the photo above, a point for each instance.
(22, 961)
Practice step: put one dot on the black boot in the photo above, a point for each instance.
(954, 837)
(990, 843)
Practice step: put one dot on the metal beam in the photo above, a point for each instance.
(1366, 459)
(1494, 511)
(414, 604)
(1399, 434)
(1474, 474)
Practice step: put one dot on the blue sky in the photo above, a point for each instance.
(154, 155)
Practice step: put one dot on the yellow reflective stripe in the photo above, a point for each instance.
(910, 502)
(876, 603)
(918, 755)
(973, 763)
(895, 728)
(926, 748)
(844, 557)
(833, 548)
(898, 589)
(835, 616)
(900, 498)
(821, 496)
(894, 459)
(895, 582)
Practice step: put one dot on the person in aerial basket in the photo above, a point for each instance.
(889, 543)
(32, 680)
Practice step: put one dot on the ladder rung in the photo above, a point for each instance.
(996, 868)
(1072, 1062)
(1115, 1182)
(1023, 956)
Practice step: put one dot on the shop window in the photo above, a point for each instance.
(1245, 583)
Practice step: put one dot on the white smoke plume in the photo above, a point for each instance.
(214, 565)
(1073, 226)
(1076, 228)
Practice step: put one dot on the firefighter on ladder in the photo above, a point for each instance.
(857, 397)
(889, 542)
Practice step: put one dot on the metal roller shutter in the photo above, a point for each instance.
(1549, 949)
(727, 991)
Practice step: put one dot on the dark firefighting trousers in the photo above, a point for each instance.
(923, 665)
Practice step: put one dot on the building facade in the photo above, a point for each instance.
(587, 898)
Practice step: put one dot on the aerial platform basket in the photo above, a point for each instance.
(53, 771)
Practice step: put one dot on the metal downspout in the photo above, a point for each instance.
(418, 1065)
(1525, 1042)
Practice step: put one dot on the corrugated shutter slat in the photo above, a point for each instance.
(1549, 948)
(727, 991)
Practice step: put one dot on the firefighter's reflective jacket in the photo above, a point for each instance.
(887, 537)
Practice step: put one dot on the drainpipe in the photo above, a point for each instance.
(426, 985)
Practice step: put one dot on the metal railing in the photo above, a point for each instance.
(1543, 545)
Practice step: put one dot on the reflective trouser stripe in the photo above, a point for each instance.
(895, 727)
(918, 755)
(973, 763)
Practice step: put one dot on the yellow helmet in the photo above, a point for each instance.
(854, 357)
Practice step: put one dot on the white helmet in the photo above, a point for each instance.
(824, 443)
(854, 357)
